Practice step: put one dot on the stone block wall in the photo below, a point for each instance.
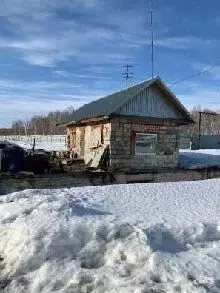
(122, 154)
(119, 134)
(185, 140)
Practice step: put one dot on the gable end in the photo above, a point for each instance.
(151, 102)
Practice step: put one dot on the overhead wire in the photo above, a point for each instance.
(194, 75)
(152, 55)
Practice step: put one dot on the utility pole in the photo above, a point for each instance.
(201, 113)
(127, 75)
(200, 122)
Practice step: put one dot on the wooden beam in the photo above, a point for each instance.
(92, 119)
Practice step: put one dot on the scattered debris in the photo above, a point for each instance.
(15, 159)
(38, 161)
(12, 158)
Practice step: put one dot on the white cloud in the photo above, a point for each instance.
(47, 38)
(84, 76)
(22, 100)
(37, 86)
(198, 92)
(13, 109)
(185, 42)
(101, 35)
(82, 44)
(44, 38)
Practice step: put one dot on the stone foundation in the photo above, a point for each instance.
(10, 184)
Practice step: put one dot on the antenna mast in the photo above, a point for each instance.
(127, 75)
(152, 38)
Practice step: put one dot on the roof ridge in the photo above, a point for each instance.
(110, 103)
(102, 99)
(145, 80)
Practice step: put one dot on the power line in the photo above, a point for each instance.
(194, 75)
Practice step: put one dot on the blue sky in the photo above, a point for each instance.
(60, 53)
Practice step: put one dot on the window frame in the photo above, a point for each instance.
(155, 135)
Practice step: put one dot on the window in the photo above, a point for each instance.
(145, 143)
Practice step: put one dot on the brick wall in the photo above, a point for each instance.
(122, 155)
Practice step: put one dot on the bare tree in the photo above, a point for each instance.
(44, 124)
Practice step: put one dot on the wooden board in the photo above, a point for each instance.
(98, 157)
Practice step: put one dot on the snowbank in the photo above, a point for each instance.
(47, 146)
(134, 238)
(198, 159)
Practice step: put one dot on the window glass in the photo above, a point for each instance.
(145, 143)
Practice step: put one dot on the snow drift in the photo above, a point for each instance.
(46, 145)
(199, 159)
(71, 240)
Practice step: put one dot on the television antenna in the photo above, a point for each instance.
(127, 74)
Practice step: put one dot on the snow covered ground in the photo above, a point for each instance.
(197, 159)
(188, 159)
(47, 142)
(47, 146)
(140, 238)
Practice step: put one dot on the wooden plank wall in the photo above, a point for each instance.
(151, 102)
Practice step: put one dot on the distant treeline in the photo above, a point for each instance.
(209, 123)
(41, 124)
(47, 124)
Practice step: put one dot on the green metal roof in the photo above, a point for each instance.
(109, 104)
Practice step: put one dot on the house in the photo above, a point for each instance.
(138, 126)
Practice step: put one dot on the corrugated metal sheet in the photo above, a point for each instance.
(210, 142)
(151, 102)
(110, 104)
(107, 105)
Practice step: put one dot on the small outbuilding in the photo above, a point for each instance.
(133, 129)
